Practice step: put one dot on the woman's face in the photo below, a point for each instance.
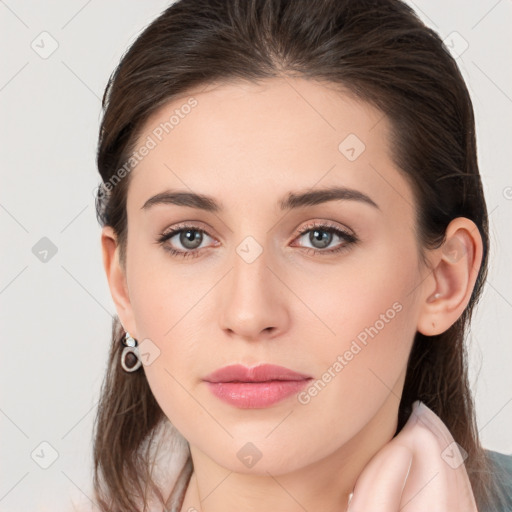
(248, 288)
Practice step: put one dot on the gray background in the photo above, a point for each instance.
(56, 314)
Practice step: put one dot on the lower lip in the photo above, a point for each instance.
(255, 395)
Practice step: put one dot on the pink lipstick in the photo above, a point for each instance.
(256, 387)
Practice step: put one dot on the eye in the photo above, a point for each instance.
(189, 236)
(321, 235)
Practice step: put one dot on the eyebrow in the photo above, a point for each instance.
(292, 201)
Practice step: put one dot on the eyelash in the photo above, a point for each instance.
(350, 239)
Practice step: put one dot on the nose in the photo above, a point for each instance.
(252, 300)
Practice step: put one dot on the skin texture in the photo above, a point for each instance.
(249, 146)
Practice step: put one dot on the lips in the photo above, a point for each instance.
(261, 373)
(256, 387)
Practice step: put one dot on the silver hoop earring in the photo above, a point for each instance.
(130, 360)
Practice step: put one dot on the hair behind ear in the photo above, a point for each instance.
(127, 415)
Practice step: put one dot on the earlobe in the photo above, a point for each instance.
(116, 277)
(456, 267)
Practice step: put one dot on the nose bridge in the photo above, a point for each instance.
(250, 275)
(251, 303)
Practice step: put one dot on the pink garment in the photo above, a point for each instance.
(420, 470)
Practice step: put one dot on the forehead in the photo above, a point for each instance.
(244, 142)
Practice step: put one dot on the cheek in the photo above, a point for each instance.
(368, 296)
(162, 294)
(368, 323)
(167, 305)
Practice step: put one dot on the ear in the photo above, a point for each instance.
(449, 286)
(116, 276)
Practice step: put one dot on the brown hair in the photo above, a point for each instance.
(381, 52)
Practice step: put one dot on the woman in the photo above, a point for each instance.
(295, 236)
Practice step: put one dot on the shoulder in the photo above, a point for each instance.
(502, 463)
(502, 474)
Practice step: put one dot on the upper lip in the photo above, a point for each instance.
(261, 373)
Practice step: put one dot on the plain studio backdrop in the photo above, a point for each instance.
(55, 304)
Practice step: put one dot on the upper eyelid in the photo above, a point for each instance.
(325, 224)
(197, 225)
